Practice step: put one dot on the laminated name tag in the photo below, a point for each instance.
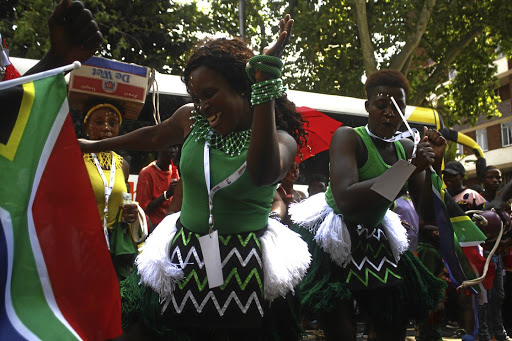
(211, 258)
(392, 181)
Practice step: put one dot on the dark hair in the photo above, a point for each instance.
(488, 168)
(229, 57)
(289, 120)
(317, 177)
(387, 77)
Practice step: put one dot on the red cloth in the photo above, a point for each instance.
(477, 262)
(11, 73)
(151, 184)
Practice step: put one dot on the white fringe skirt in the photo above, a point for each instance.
(257, 267)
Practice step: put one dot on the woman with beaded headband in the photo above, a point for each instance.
(359, 246)
(211, 271)
(109, 172)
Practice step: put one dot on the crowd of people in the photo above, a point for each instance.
(235, 252)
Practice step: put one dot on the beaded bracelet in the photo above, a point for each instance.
(266, 91)
(275, 215)
(268, 64)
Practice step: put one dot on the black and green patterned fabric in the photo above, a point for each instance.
(238, 302)
(372, 264)
(405, 291)
(196, 312)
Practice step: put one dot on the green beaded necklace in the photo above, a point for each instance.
(232, 144)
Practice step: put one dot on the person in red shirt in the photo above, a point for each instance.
(156, 184)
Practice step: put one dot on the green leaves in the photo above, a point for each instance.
(425, 39)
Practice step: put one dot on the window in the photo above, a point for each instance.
(506, 133)
(481, 138)
(460, 149)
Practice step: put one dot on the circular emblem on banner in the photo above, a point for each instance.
(109, 86)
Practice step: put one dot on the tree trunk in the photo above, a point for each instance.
(370, 64)
(412, 42)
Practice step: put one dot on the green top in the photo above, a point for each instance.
(374, 167)
(239, 207)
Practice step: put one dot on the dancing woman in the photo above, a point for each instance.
(233, 154)
(359, 246)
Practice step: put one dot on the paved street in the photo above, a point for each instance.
(448, 334)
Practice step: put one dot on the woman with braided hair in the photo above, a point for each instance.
(211, 271)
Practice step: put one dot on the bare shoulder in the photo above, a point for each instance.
(408, 146)
(184, 113)
(284, 137)
(343, 136)
(180, 119)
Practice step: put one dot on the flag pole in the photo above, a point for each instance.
(40, 75)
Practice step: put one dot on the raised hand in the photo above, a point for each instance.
(172, 187)
(285, 33)
(436, 141)
(425, 156)
(74, 35)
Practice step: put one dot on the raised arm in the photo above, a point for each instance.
(74, 35)
(420, 185)
(158, 137)
(271, 153)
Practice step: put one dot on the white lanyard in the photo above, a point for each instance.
(410, 132)
(108, 189)
(226, 182)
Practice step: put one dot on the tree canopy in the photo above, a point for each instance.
(335, 44)
(339, 41)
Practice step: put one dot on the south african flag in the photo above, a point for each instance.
(57, 281)
(458, 236)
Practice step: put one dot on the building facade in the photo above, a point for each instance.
(494, 136)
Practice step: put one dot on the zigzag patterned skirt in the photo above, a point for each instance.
(372, 264)
(389, 292)
(238, 303)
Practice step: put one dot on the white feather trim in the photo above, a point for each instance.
(154, 265)
(395, 233)
(334, 238)
(285, 259)
(331, 233)
(310, 212)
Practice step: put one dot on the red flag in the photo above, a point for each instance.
(69, 227)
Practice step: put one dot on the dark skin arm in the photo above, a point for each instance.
(502, 197)
(420, 185)
(177, 198)
(350, 194)
(156, 202)
(170, 132)
(438, 144)
(501, 205)
(74, 35)
(279, 206)
(271, 152)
